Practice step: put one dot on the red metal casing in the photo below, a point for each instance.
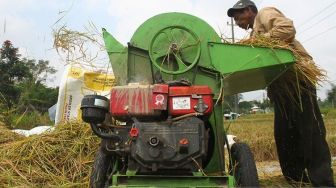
(138, 100)
(183, 99)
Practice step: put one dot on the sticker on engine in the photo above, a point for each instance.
(100, 102)
(181, 103)
(159, 99)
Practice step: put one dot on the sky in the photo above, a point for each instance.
(29, 24)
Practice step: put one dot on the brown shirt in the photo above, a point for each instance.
(272, 23)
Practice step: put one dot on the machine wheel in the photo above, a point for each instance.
(102, 167)
(243, 167)
(175, 50)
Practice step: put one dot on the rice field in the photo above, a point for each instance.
(257, 130)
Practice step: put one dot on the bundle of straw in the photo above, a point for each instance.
(301, 77)
(60, 158)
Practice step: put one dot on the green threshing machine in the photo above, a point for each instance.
(163, 124)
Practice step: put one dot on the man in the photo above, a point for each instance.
(299, 129)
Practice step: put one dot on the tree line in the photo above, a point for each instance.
(23, 82)
(245, 106)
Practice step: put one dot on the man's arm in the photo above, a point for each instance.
(277, 26)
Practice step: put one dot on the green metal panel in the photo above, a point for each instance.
(166, 30)
(180, 27)
(248, 68)
(146, 32)
(231, 181)
(217, 163)
(118, 57)
(139, 66)
(172, 181)
(208, 77)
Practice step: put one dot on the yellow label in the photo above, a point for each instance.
(98, 81)
(75, 72)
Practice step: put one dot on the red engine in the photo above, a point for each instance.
(149, 139)
(143, 101)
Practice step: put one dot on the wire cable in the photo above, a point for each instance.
(317, 22)
(318, 13)
(319, 34)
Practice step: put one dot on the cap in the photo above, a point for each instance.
(241, 4)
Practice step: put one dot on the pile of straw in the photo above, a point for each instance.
(303, 75)
(60, 158)
(8, 136)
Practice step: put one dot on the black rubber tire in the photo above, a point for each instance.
(243, 167)
(101, 169)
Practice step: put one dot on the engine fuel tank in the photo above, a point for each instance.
(138, 100)
(190, 99)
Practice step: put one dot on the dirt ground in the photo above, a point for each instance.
(270, 175)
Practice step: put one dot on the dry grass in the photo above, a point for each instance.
(82, 48)
(304, 69)
(330, 122)
(257, 130)
(60, 158)
(7, 136)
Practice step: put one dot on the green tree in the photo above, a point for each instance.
(266, 103)
(229, 101)
(36, 97)
(245, 106)
(40, 70)
(12, 72)
(23, 81)
(34, 93)
(331, 96)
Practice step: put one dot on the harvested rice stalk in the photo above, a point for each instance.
(304, 74)
(84, 48)
(59, 158)
(7, 136)
(305, 67)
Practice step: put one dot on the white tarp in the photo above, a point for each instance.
(34, 131)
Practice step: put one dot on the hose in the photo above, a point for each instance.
(103, 135)
(187, 115)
